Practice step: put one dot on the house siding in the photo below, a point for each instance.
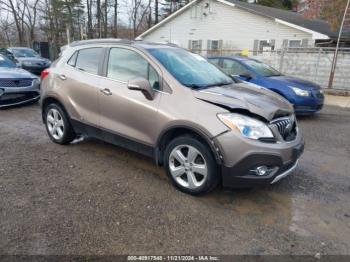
(237, 28)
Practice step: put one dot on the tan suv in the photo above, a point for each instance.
(172, 105)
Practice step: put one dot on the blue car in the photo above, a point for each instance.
(307, 97)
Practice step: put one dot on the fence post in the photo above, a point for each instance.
(317, 63)
(281, 59)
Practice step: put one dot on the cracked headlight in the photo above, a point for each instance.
(300, 92)
(247, 126)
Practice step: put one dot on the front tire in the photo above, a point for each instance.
(190, 165)
(57, 125)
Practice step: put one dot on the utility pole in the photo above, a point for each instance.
(335, 57)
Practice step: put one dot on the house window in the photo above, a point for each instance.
(214, 45)
(262, 44)
(196, 45)
(294, 43)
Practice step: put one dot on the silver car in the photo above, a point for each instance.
(17, 86)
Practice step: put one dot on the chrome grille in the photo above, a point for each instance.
(286, 127)
(15, 82)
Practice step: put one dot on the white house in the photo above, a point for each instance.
(236, 25)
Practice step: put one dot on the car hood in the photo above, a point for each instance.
(295, 82)
(33, 59)
(8, 73)
(258, 101)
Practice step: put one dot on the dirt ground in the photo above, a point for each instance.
(94, 198)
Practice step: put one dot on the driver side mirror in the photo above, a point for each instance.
(143, 85)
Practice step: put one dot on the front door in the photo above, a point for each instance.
(124, 112)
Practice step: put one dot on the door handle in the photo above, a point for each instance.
(63, 77)
(106, 91)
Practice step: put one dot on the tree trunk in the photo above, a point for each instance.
(106, 18)
(17, 22)
(115, 24)
(156, 12)
(89, 21)
(98, 15)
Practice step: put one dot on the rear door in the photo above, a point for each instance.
(80, 79)
(124, 112)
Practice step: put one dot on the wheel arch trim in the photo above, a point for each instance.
(182, 129)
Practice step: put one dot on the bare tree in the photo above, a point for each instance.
(138, 11)
(17, 10)
(31, 18)
(98, 16)
(115, 23)
(89, 18)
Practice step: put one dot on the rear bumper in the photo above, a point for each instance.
(243, 157)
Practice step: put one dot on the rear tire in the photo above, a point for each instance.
(190, 165)
(57, 125)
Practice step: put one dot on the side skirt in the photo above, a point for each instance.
(112, 138)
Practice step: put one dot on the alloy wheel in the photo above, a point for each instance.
(188, 166)
(55, 123)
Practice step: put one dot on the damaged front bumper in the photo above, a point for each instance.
(243, 159)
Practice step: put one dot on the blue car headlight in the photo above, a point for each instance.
(300, 92)
(247, 126)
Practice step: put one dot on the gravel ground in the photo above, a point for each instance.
(92, 198)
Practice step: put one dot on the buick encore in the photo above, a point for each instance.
(165, 102)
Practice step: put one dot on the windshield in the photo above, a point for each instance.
(262, 69)
(190, 69)
(4, 62)
(24, 52)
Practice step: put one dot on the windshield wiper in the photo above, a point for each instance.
(274, 75)
(219, 84)
(194, 86)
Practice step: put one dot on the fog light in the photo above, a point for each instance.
(262, 171)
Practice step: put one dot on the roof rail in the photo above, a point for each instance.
(101, 41)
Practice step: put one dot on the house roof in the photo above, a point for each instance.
(289, 18)
(316, 25)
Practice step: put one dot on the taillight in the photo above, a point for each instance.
(44, 74)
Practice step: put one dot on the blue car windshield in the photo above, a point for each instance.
(262, 69)
(190, 69)
(4, 62)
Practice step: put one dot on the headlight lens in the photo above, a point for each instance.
(36, 81)
(247, 126)
(300, 92)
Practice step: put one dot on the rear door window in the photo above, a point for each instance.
(88, 60)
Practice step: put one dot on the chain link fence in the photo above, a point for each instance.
(312, 64)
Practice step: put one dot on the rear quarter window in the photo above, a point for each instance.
(87, 60)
